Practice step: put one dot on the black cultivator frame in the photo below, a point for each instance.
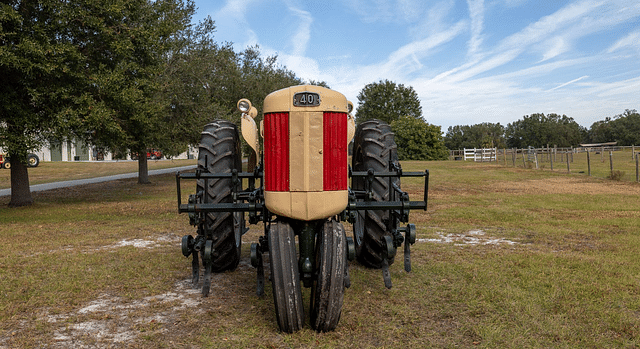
(251, 201)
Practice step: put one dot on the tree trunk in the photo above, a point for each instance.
(20, 191)
(143, 168)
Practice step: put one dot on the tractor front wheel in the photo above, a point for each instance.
(327, 295)
(287, 293)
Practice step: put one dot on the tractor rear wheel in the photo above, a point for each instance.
(219, 152)
(285, 280)
(374, 148)
(327, 295)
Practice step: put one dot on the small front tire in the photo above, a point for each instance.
(327, 295)
(285, 279)
(33, 160)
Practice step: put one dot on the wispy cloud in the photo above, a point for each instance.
(631, 40)
(388, 11)
(476, 12)
(232, 16)
(569, 83)
(516, 44)
(301, 39)
(555, 47)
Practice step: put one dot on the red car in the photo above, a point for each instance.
(152, 154)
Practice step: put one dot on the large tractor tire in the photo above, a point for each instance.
(285, 280)
(374, 148)
(219, 152)
(327, 294)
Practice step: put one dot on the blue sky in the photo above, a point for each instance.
(469, 61)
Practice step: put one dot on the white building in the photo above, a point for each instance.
(77, 151)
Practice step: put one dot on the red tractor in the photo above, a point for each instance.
(299, 189)
(32, 161)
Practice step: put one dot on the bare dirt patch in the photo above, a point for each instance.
(111, 320)
(473, 237)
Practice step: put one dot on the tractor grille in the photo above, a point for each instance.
(277, 157)
(276, 151)
(334, 151)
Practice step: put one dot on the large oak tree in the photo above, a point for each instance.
(387, 101)
(42, 69)
(83, 69)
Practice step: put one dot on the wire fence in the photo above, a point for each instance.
(612, 162)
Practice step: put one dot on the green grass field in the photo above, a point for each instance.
(506, 258)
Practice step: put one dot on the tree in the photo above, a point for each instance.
(418, 140)
(623, 128)
(261, 76)
(81, 69)
(42, 71)
(127, 45)
(387, 101)
(205, 81)
(538, 130)
(199, 84)
(484, 135)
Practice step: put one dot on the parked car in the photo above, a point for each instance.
(152, 154)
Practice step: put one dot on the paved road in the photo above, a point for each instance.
(64, 184)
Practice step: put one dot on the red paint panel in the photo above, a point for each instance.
(276, 151)
(334, 151)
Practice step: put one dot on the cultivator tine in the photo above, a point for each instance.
(206, 285)
(260, 277)
(409, 239)
(386, 275)
(347, 278)
(257, 262)
(407, 257)
(208, 264)
(195, 269)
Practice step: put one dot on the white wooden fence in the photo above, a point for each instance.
(480, 154)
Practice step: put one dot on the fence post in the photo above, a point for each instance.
(548, 154)
(571, 154)
(602, 154)
(611, 161)
(568, 169)
(588, 163)
(637, 173)
(551, 161)
(524, 164)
